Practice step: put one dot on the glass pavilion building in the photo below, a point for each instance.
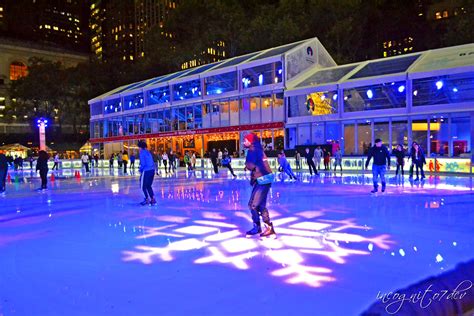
(296, 95)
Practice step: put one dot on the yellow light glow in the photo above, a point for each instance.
(422, 127)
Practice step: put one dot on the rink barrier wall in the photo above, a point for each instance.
(433, 165)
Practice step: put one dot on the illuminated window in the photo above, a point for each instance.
(18, 70)
(438, 16)
(445, 14)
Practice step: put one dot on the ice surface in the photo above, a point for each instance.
(85, 247)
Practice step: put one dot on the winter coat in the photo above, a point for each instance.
(257, 162)
(380, 154)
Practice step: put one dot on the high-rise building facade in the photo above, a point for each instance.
(119, 28)
(62, 23)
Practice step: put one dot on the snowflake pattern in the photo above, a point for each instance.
(304, 234)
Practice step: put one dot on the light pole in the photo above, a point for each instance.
(42, 124)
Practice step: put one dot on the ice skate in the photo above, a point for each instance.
(145, 202)
(257, 229)
(152, 202)
(269, 231)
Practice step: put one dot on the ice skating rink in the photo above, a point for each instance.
(86, 247)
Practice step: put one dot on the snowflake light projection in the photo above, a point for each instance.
(304, 234)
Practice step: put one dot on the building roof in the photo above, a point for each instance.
(324, 59)
(422, 64)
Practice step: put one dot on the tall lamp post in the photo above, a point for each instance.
(42, 124)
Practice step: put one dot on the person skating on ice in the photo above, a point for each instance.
(261, 178)
(226, 162)
(381, 159)
(214, 160)
(338, 159)
(418, 160)
(318, 154)
(147, 174)
(42, 167)
(3, 172)
(285, 165)
(399, 153)
(309, 160)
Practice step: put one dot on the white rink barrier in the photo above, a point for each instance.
(434, 165)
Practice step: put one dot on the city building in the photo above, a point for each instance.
(14, 56)
(295, 95)
(53, 22)
(118, 30)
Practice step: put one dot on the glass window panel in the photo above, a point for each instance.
(349, 139)
(215, 114)
(381, 130)
(439, 135)
(278, 50)
(321, 103)
(206, 115)
(182, 118)
(134, 101)
(461, 136)
(318, 133)
(159, 95)
(304, 134)
(262, 75)
(419, 128)
(235, 61)
(197, 116)
(187, 90)
(255, 110)
(444, 89)
(224, 111)
(96, 108)
(190, 117)
(174, 119)
(279, 108)
(400, 134)
(364, 137)
(221, 83)
(267, 105)
(113, 106)
(167, 120)
(327, 76)
(234, 112)
(385, 67)
(375, 97)
(245, 111)
(333, 131)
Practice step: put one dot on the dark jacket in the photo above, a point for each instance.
(256, 162)
(400, 154)
(213, 155)
(420, 158)
(42, 162)
(380, 154)
(3, 162)
(309, 156)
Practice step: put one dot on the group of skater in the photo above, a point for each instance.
(261, 178)
(381, 162)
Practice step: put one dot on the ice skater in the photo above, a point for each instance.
(381, 159)
(261, 179)
(147, 173)
(42, 167)
(399, 153)
(226, 162)
(56, 162)
(418, 160)
(3, 172)
(214, 160)
(285, 165)
(318, 153)
(338, 159)
(309, 160)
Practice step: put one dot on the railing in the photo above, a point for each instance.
(433, 165)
